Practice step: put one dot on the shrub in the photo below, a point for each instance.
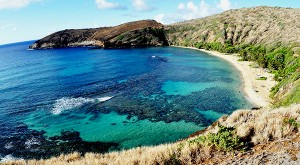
(291, 122)
(186, 42)
(226, 139)
(230, 49)
(120, 37)
(200, 45)
(262, 78)
(217, 46)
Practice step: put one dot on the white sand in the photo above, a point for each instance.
(257, 91)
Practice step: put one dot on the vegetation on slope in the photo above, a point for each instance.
(244, 31)
(225, 139)
(257, 25)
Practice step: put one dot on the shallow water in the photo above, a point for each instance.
(131, 97)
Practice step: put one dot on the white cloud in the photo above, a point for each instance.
(186, 11)
(224, 5)
(181, 6)
(104, 4)
(15, 4)
(160, 18)
(168, 18)
(141, 5)
(192, 10)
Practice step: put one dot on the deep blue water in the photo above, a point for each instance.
(131, 97)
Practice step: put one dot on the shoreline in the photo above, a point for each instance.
(256, 91)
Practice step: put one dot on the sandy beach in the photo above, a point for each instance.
(257, 91)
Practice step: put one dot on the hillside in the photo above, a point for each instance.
(131, 34)
(258, 25)
(270, 36)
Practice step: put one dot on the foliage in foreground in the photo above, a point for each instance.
(250, 127)
(225, 139)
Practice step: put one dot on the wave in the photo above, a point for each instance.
(103, 99)
(66, 103)
(69, 103)
(9, 158)
(31, 142)
(8, 145)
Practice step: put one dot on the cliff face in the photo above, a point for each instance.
(258, 25)
(132, 34)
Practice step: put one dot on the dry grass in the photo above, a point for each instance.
(111, 32)
(261, 126)
(264, 125)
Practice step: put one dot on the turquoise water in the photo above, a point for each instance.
(129, 97)
(187, 88)
(113, 128)
(210, 114)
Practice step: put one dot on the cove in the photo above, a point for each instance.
(129, 97)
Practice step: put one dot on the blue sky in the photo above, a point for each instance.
(22, 20)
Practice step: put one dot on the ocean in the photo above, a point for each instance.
(58, 101)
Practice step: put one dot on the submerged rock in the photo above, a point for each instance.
(32, 144)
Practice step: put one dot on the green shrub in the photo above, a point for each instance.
(120, 37)
(200, 45)
(226, 139)
(262, 78)
(294, 95)
(186, 42)
(291, 122)
(217, 46)
(229, 49)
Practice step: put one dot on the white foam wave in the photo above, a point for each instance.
(103, 99)
(9, 158)
(70, 103)
(31, 142)
(8, 145)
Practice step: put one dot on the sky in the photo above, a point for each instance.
(23, 20)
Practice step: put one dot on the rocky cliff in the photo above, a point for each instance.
(132, 34)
